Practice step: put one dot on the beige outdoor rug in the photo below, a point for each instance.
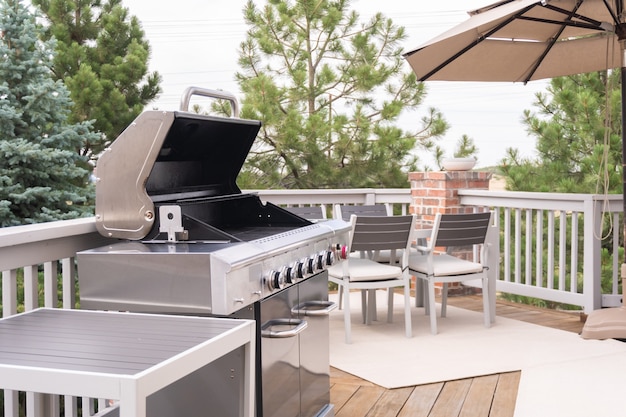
(552, 359)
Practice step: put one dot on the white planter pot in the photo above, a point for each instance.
(458, 164)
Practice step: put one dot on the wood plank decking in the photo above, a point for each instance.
(485, 396)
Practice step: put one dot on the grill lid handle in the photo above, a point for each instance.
(298, 327)
(205, 92)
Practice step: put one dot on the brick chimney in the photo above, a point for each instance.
(435, 192)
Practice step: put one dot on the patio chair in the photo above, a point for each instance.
(312, 213)
(344, 212)
(451, 231)
(372, 234)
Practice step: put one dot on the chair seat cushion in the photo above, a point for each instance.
(365, 270)
(443, 265)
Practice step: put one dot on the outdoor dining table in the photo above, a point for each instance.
(420, 236)
(122, 357)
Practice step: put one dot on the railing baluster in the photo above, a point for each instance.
(88, 406)
(616, 268)
(550, 270)
(529, 247)
(562, 249)
(518, 246)
(574, 254)
(102, 403)
(11, 404)
(9, 292)
(9, 307)
(507, 244)
(68, 269)
(539, 247)
(70, 406)
(34, 404)
(50, 295)
(31, 287)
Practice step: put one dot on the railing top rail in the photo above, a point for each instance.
(337, 196)
(19, 235)
(331, 191)
(541, 196)
(536, 200)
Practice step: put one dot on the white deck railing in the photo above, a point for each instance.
(545, 266)
(541, 267)
(541, 234)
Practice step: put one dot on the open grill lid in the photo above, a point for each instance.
(165, 156)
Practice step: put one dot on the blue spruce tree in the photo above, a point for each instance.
(42, 176)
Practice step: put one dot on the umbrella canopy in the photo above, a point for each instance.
(524, 40)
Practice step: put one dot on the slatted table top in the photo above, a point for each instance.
(109, 354)
(116, 343)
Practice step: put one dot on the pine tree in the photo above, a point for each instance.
(42, 177)
(102, 57)
(578, 130)
(330, 91)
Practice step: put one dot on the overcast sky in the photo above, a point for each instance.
(195, 43)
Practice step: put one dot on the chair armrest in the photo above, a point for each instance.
(425, 249)
(484, 253)
(422, 233)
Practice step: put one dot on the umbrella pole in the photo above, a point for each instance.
(610, 323)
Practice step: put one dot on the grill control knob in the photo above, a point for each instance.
(275, 280)
(311, 265)
(302, 268)
(330, 257)
(315, 263)
(290, 276)
(320, 260)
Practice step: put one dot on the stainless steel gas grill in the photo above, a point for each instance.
(186, 240)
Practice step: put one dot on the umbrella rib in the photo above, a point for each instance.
(474, 43)
(612, 12)
(552, 41)
(582, 25)
(573, 15)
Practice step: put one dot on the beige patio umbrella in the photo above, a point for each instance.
(525, 40)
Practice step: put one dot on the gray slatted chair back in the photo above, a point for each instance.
(309, 213)
(364, 210)
(375, 233)
(462, 229)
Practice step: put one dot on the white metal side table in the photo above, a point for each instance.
(117, 356)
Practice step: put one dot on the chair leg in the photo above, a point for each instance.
(426, 297)
(368, 306)
(346, 314)
(364, 306)
(389, 305)
(340, 297)
(419, 292)
(407, 309)
(444, 299)
(486, 303)
(371, 306)
(432, 307)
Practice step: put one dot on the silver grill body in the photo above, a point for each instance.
(202, 277)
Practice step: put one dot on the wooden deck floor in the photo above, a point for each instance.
(488, 396)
